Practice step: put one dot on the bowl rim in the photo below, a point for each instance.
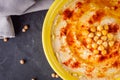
(46, 40)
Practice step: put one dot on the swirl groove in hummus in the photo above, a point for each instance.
(86, 38)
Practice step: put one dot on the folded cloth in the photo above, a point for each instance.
(40, 5)
(6, 27)
(17, 7)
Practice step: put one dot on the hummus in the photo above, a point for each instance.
(86, 38)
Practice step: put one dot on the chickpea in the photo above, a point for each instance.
(53, 75)
(99, 42)
(85, 32)
(99, 28)
(26, 27)
(91, 35)
(106, 27)
(89, 46)
(5, 39)
(94, 45)
(34, 79)
(106, 7)
(75, 74)
(88, 40)
(104, 32)
(98, 34)
(22, 61)
(100, 48)
(113, 8)
(111, 43)
(93, 29)
(104, 52)
(96, 38)
(53, 36)
(56, 76)
(95, 51)
(105, 44)
(23, 30)
(110, 36)
(104, 38)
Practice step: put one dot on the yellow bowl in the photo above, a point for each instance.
(46, 40)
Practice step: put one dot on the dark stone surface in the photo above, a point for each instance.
(26, 46)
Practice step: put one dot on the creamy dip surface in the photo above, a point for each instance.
(86, 38)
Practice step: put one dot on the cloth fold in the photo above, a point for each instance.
(6, 27)
(17, 7)
(40, 5)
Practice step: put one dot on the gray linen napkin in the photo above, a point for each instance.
(17, 7)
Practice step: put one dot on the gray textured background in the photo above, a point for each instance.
(26, 46)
